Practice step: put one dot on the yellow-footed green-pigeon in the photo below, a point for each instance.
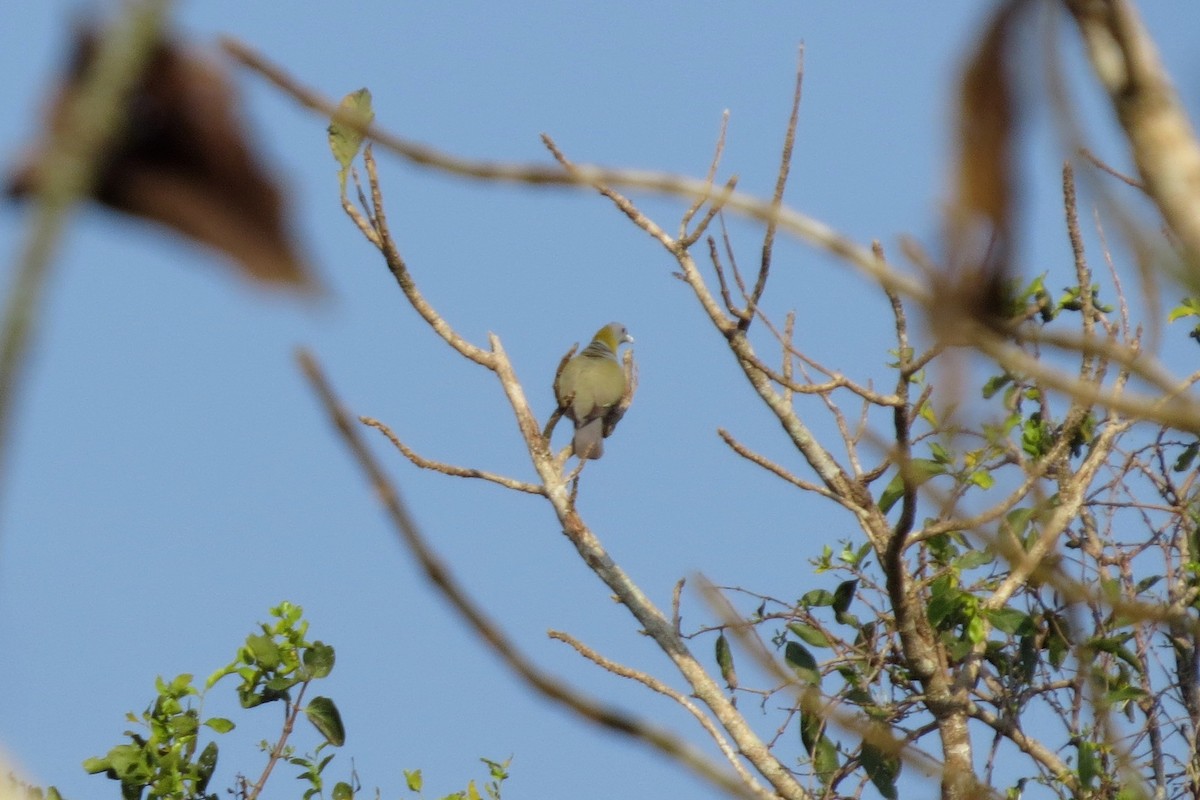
(590, 388)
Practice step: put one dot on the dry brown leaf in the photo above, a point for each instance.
(185, 161)
(979, 219)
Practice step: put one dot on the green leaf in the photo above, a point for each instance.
(1146, 583)
(126, 760)
(725, 662)
(1189, 307)
(1089, 765)
(1070, 300)
(1028, 656)
(205, 766)
(945, 600)
(412, 778)
(345, 136)
(1185, 459)
(944, 547)
(184, 724)
(881, 768)
(816, 598)
(1036, 438)
(812, 728)
(318, 660)
(983, 479)
(263, 651)
(995, 384)
(94, 765)
(1018, 520)
(342, 791)
(975, 559)
(1008, 620)
(802, 663)
(1057, 647)
(809, 634)
(324, 716)
(221, 673)
(181, 686)
(497, 770)
(920, 470)
(220, 724)
(843, 595)
(825, 760)
(859, 697)
(848, 619)
(976, 630)
(1121, 695)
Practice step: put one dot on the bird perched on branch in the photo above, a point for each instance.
(590, 387)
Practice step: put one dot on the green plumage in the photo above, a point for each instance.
(590, 388)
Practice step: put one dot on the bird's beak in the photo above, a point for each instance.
(627, 339)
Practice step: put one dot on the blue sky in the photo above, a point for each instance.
(172, 477)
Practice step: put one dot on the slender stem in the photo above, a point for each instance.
(65, 173)
(289, 724)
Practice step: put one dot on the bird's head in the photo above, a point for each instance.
(612, 335)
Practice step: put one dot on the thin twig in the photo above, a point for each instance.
(688, 239)
(785, 164)
(776, 469)
(1103, 166)
(277, 750)
(450, 469)
(620, 201)
(1082, 271)
(655, 685)
(365, 226)
(399, 270)
(676, 615)
(719, 270)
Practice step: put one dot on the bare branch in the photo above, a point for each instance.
(688, 239)
(776, 469)
(399, 270)
(620, 201)
(491, 633)
(655, 685)
(809, 697)
(1172, 410)
(785, 163)
(1161, 137)
(366, 227)
(1103, 166)
(795, 223)
(449, 469)
(1046, 757)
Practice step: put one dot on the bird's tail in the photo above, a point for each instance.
(589, 439)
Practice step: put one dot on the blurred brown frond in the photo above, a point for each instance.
(979, 225)
(182, 160)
